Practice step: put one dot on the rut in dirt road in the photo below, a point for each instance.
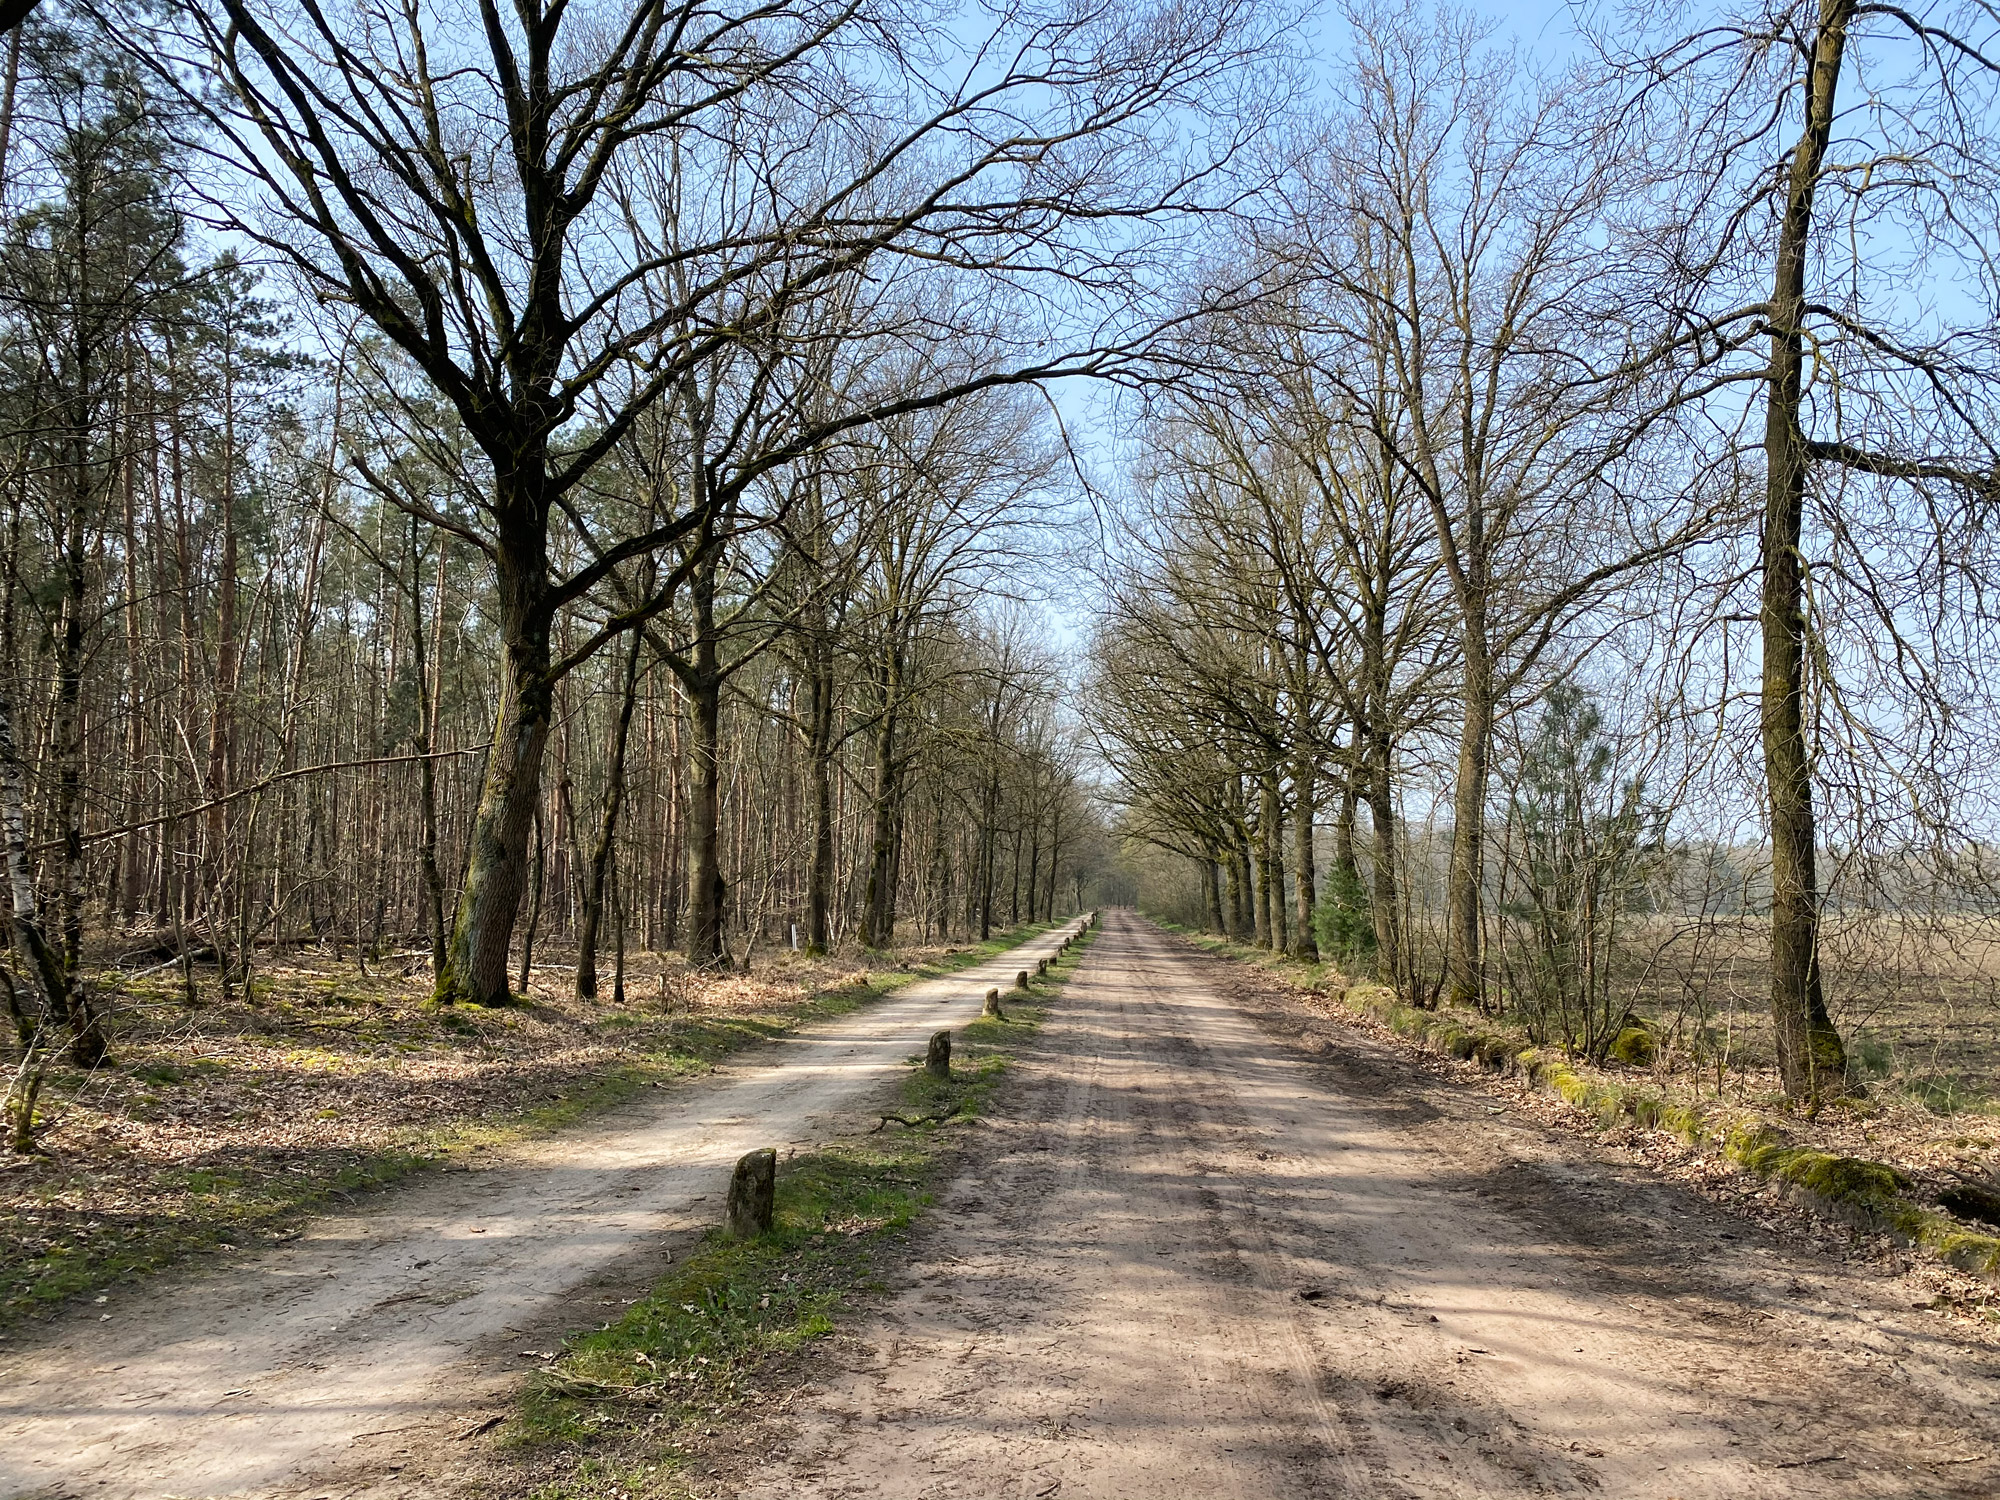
(307, 1370)
(1198, 1260)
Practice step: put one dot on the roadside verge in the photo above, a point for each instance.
(225, 1128)
(1875, 1197)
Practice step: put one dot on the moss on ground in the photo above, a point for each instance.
(620, 1409)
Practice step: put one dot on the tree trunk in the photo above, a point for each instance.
(1811, 1058)
(1270, 863)
(1306, 887)
(429, 694)
(1465, 980)
(221, 726)
(702, 676)
(1256, 881)
(1211, 896)
(87, 1045)
(60, 998)
(133, 859)
(1350, 806)
(1383, 900)
(496, 867)
(878, 913)
(607, 827)
(820, 755)
(989, 847)
(708, 893)
(534, 903)
(1242, 900)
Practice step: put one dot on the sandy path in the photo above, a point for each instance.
(1200, 1260)
(302, 1371)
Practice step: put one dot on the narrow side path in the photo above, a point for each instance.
(271, 1376)
(1201, 1259)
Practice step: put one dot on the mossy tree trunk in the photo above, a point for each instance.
(1810, 1056)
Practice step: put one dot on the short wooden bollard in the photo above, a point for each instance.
(991, 1009)
(937, 1056)
(1041, 966)
(1021, 980)
(753, 1193)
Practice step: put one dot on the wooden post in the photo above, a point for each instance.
(937, 1057)
(1021, 980)
(992, 1007)
(753, 1192)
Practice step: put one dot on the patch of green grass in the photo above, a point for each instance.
(1946, 1094)
(627, 1400)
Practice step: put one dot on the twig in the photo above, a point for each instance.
(921, 1119)
(96, 834)
(1807, 1463)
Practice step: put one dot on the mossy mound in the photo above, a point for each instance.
(1636, 1047)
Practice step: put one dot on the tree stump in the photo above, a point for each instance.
(992, 1008)
(937, 1057)
(753, 1192)
(1021, 980)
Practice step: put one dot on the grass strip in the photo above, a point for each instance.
(623, 1409)
(239, 1208)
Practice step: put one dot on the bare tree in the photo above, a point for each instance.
(444, 173)
(1841, 212)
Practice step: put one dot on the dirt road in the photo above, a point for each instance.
(305, 1371)
(1214, 1250)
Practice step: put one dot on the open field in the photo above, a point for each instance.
(1917, 1001)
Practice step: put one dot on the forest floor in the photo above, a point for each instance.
(1202, 1239)
(220, 1125)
